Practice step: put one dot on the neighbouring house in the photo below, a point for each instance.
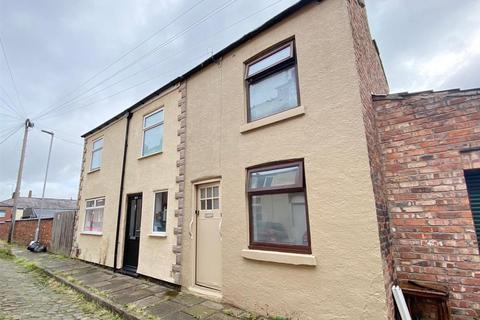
(5, 212)
(281, 176)
(5, 218)
(27, 213)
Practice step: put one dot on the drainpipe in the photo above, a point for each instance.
(120, 197)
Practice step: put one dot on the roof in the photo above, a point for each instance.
(276, 19)
(43, 213)
(4, 204)
(49, 203)
(406, 95)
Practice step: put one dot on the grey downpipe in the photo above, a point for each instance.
(120, 197)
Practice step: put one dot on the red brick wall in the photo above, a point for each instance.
(434, 235)
(25, 231)
(4, 231)
(372, 79)
(8, 213)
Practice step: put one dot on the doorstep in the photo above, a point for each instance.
(131, 298)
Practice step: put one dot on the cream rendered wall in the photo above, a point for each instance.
(142, 175)
(102, 183)
(149, 174)
(347, 282)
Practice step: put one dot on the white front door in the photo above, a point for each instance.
(209, 238)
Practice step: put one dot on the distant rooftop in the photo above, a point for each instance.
(35, 203)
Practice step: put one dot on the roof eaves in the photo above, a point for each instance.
(269, 23)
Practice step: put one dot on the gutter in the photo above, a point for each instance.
(120, 197)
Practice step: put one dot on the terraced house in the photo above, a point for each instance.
(255, 178)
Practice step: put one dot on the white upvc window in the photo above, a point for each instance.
(94, 215)
(160, 212)
(97, 150)
(152, 133)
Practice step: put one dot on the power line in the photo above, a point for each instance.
(10, 116)
(108, 97)
(163, 44)
(11, 75)
(71, 106)
(10, 102)
(59, 137)
(67, 105)
(15, 130)
(138, 45)
(68, 141)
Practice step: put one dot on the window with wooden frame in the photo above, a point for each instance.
(278, 208)
(97, 149)
(152, 133)
(272, 82)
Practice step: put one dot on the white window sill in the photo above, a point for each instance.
(291, 113)
(150, 155)
(92, 233)
(158, 234)
(93, 170)
(280, 257)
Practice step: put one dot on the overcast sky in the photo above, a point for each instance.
(59, 51)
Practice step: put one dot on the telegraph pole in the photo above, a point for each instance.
(28, 125)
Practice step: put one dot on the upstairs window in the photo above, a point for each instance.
(152, 133)
(97, 149)
(278, 208)
(3, 213)
(94, 215)
(272, 82)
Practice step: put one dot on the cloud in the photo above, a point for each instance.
(427, 44)
(55, 46)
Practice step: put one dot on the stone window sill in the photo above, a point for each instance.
(150, 155)
(291, 113)
(93, 171)
(158, 235)
(92, 233)
(280, 257)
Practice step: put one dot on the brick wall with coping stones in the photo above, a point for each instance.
(25, 231)
(372, 80)
(434, 235)
(180, 180)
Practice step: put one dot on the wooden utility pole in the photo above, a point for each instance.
(16, 195)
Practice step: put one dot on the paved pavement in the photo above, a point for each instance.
(24, 294)
(134, 298)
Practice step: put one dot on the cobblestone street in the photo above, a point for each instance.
(24, 294)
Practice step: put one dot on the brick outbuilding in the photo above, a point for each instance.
(430, 146)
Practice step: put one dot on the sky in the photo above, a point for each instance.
(71, 65)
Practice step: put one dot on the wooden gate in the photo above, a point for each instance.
(62, 233)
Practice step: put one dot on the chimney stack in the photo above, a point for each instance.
(30, 193)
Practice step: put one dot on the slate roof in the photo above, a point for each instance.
(30, 213)
(35, 203)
